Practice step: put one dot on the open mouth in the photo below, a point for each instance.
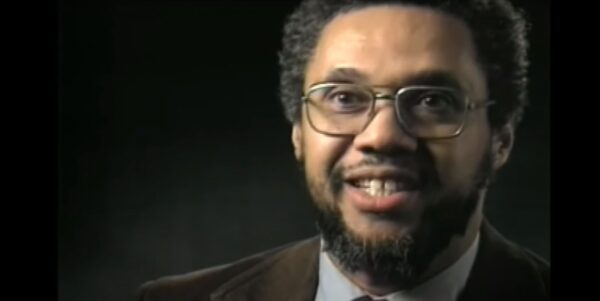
(383, 187)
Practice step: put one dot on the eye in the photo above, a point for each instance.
(347, 99)
(436, 101)
(431, 104)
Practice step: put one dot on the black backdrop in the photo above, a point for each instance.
(174, 154)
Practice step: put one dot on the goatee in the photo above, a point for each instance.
(402, 260)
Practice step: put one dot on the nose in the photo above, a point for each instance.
(384, 134)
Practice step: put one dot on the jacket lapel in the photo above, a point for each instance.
(288, 275)
(499, 271)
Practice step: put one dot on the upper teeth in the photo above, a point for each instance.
(378, 187)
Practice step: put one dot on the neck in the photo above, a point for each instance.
(377, 285)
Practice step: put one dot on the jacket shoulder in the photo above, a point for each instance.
(531, 264)
(504, 270)
(539, 267)
(199, 285)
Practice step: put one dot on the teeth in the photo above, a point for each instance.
(390, 185)
(376, 184)
(363, 183)
(378, 187)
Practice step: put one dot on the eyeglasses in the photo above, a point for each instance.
(428, 112)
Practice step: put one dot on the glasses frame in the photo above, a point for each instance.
(375, 96)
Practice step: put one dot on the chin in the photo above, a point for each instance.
(373, 228)
(378, 230)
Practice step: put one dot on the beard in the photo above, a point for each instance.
(399, 260)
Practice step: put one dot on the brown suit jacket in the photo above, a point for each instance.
(502, 271)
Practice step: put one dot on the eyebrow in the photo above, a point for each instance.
(346, 75)
(426, 78)
(434, 78)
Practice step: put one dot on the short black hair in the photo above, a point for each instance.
(499, 32)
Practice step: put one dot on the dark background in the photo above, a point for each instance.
(174, 153)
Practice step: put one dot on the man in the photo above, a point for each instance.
(401, 113)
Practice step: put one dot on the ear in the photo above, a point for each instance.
(502, 144)
(297, 141)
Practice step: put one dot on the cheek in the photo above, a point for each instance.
(458, 160)
(321, 152)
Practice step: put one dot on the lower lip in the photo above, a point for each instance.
(378, 204)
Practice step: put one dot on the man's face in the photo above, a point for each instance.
(394, 46)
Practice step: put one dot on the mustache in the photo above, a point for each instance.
(408, 161)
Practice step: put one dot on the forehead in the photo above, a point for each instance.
(389, 44)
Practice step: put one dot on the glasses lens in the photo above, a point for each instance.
(431, 112)
(339, 108)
